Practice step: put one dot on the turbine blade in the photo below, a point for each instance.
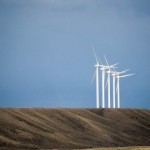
(95, 55)
(114, 70)
(106, 83)
(93, 77)
(100, 61)
(106, 60)
(126, 75)
(116, 88)
(112, 66)
(123, 71)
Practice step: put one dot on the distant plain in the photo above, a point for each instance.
(122, 148)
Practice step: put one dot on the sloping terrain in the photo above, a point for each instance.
(40, 128)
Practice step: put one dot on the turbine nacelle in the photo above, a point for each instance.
(97, 65)
(109, 71)
(113, 74)
(117, 73)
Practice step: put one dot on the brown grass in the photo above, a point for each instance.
(44, 128)
(121, 148)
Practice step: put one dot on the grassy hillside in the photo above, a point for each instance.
(73, 128)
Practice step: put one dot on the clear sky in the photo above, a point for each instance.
(46, 58)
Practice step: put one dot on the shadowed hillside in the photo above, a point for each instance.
(73, 128)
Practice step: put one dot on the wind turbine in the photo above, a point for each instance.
(108, 79)
(114, 74)
(118, 86)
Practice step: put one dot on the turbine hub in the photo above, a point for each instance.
(97, 65)
(108, 71)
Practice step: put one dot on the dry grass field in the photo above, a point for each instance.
(45, 128)
(122, 148)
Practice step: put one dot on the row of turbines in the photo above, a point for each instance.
(116, 75)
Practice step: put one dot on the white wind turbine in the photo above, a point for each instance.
(118, 86)
(114, 74)
(108, 79)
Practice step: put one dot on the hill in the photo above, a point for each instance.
(40, 128)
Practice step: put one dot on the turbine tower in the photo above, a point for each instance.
(103, 69)
(118, 86)
(97, 85)
(108, 80)
(97, 80)
(114, 88)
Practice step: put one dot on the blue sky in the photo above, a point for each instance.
(46, 58)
